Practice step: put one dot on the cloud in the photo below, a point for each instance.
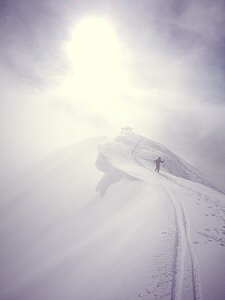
(173, 51)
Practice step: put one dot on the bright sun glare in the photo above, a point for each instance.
(95, 55)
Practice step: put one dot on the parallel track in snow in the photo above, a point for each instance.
(182, 248)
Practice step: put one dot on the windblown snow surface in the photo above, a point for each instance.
(96, 222)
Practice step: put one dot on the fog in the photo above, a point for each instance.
(166, 80)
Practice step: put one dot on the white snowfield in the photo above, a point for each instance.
(96, 222)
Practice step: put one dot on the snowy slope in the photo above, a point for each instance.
(96, 222)
(145, 151)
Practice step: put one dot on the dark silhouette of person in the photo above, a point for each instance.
(157, 162)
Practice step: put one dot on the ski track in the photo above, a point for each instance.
(182, 247)
(133, 151)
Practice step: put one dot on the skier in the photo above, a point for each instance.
(157, 163)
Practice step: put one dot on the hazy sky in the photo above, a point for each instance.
(74, 69)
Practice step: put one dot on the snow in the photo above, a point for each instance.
(94, 221)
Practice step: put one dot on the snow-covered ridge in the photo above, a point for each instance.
(144, 151)
(88, 224)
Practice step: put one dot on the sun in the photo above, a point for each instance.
(95, 58)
